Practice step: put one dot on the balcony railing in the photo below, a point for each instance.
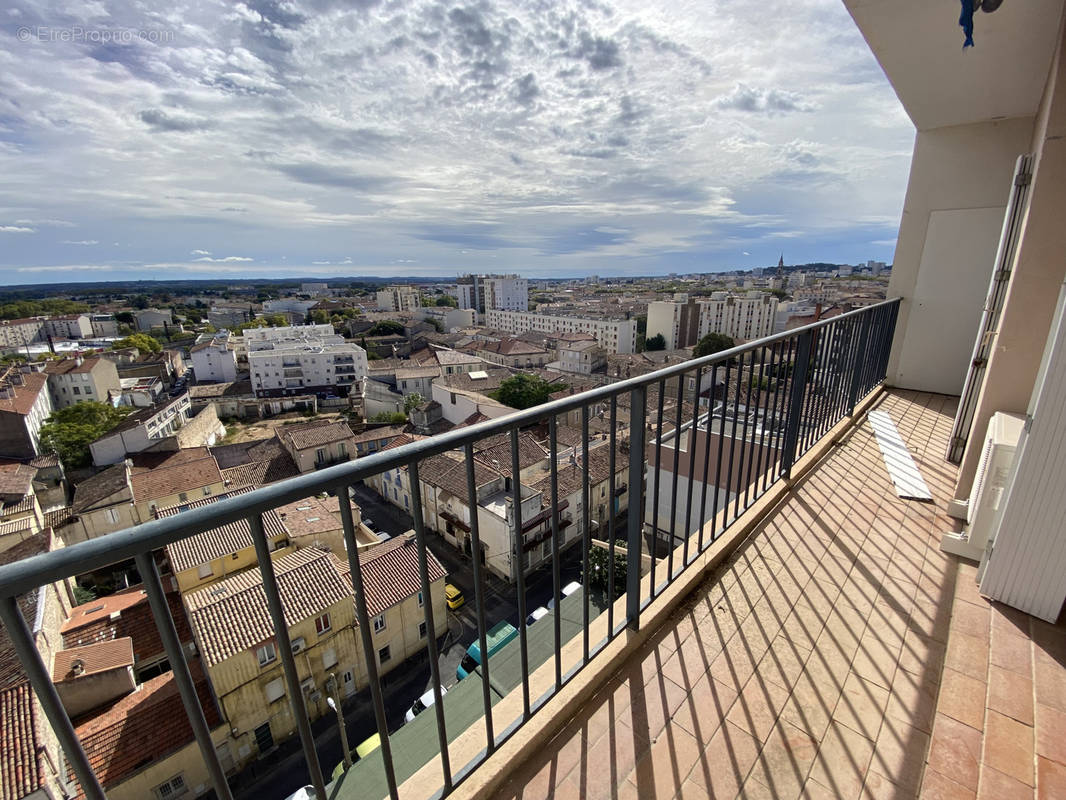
(794, 387)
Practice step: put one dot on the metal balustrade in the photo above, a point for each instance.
(795, 386)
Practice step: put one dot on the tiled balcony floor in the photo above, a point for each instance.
(813, 663)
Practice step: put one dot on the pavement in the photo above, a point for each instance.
(284, 771)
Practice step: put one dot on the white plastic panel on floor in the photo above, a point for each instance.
(901, 467)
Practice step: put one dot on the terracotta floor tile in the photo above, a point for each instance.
(652, 708)
(970, 619)
(609, 761)
(1050, 779)
(962, 698)
(811, 705)
(1050, 679)
(900, 753)
(784, 761)
(758, 706)
(734, 665)
(937, 787)
(662, 770)
(921, 654)
(861, 706)
(876, 659)
(1009, 621)
(1011, 652)
(783, 662)
(842, 761)
(1051, 733)
(955, 751)
(1009, 747)
(726, 761)
(1010, 694)
(997, 786)
(912, 700)
(878, 787)
(703, 711)
(968, 655)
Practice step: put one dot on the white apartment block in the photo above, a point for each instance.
(72, 326)
(485, 293)
(214, 360)
(749, 316)
(20, 332)
(614, 335)
(301, 367)
(399, 298)
(266, 338)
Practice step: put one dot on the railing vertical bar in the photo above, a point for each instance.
(612, 438)
(763, 466)
(796, 396)
(586, 539)
(848, 369)
(814, 383)
(841, 370)
(479, 590)
(288, 663)
(756, 450)
(41, 680)
(743, 468)
(673, 487)
(635, 514)
(366, 636)
(707, 455)
(655, 495)
(733, 437)
(781, 408)
(825, 402)
(718, 466)
(157, 601)
(520, 570)
(893, 317)
(431, 638)
(691, 465)
(557, 580)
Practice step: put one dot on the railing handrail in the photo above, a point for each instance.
(30, 573)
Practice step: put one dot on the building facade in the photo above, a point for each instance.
(399, 298)
(614, 335)
(683, 323)
(76, 380)
(214, 360)
(484, 293)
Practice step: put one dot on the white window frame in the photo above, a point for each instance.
(268, 649)
(322, 624)
(204, 570)
(167, 789)
(380, 623)
(387, 652)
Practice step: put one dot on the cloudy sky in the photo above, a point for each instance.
(401, 137)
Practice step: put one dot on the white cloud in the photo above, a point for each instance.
(83, 242)
(15, 229)
(561, 136)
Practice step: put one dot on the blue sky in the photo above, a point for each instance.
(335, 138)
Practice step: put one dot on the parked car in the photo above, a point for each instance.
(421, 704)
(567, 590)
(536, 614)
(495, 640)
(454, 595)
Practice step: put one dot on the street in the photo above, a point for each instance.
(285, 771)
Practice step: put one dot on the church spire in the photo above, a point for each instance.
(781, 266)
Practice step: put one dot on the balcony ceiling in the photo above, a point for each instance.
(919, 45)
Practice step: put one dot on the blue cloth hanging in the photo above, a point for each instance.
(966, 21)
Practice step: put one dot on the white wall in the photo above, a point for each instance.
(960, 182)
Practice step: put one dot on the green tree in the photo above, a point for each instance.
(386, 327)
(125, 318)
(413, 400)
(447, 300)
(394, 417)
(319, 316)
(524, 391)
(142, 341)
(598, 576)
(69, 431)
(712, 343)
(656, 342)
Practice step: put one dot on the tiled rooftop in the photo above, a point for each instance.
(837, 654)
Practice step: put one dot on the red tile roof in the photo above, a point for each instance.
(25, 395)
(167, 481)
(97, 622)
(69, 365)
(390, 573)
(143, 727)
(94, 658)
(21, 768)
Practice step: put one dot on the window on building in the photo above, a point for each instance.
(266, 654)
(420, 599)
(384, 655)
(329, 659)
(111, 514)
(204, 571)
(183, 497)
(207, 491)
(77, 390)
(320, 454)
(275, 690)
(422, 630)
(379, 623)
(175, 787)
(322, 624)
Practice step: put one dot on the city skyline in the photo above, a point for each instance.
(273, 140)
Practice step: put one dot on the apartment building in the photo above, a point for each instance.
(25, 404)
(74, 380)
(399, 298)
(314, 445)
(485, 293)
(149, 318)
(514, 353)
(70, 326)
(304, 366)
(581, 357)
(103, 325)
(614, 335)
(683, 323)
(214, 359)
(232, 628)
(15, 333)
